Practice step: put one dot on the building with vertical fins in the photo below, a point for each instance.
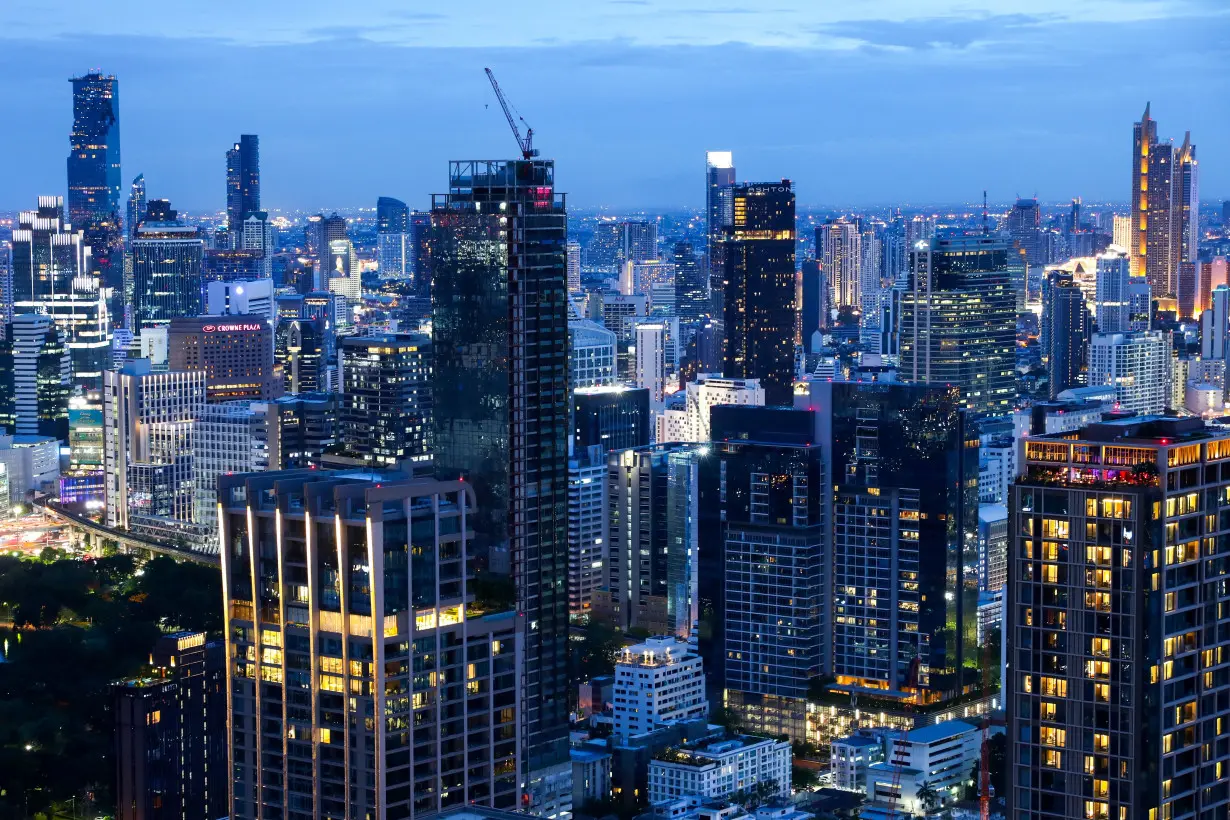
(758, 253)
(1165, 209)
(35, 377)
(243, 181)
(364, 679)
(167, 262)
(500, 417)
(94, 174)
(1116, 623)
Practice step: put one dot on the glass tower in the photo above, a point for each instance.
(94, 173)
(758, 263)
(500, 337)
(243, 181)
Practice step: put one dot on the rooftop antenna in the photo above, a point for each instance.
(986, 228)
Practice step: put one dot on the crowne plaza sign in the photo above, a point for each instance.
(241, 327)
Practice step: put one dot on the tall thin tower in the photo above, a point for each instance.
(94, 174)
(500, 395)
(243, 181)
(719, 183)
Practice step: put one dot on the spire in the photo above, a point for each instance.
(1145, 118)
(986, 228)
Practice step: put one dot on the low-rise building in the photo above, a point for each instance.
(657, 682)
(939, 758)
(850, 757)
(591, 776)
(717, 769)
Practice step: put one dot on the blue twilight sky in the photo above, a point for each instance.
(859, 101)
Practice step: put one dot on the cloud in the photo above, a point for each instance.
(936, 32)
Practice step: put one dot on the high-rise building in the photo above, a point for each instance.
(763, 568)
(1065, 332)
(234, 352)
(167, 262)
(691, 284)
(1136, 366)
(814, 305)
(243, 181)
(758, 265)
(701, 395)
(170, 733)
(500, 394)
(638, 242)
(591, 354)
(306, 427)
(1215, 327)
(574, 266)
(719, 214)
(394, 248)
(612, 417)
(136, 206)
(256, 235)
(94, 176)
(374, 614)
(52, 274)
(839, 249)
(35, 368)
(1165, 208)
(1121, 232)
(1115, 534)
(904, 459)
(1112, 293)
(299, 351)
(230, 437)
(386, 397)
(1024, 225)
(958, 320)
(148, 423)
(651, 543)
(586, 524)
(650, 372)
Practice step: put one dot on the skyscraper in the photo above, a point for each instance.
(1115, 540)
(167, 261)
(500, 339)
(94, 175)
(1165, 207)
(148, 423)
(958, 320)
(234, 352)
(719, 181)
(386, 397)
(1065, 332)
(574, 266)
(52, 274)
(691, 284)
(614, 418)
(376, 615)
(136, 206)
(758, 263)
(1136, 366)
(839, 245)
(243, 181)
(34, 377)
(394, 252)
(814, 305)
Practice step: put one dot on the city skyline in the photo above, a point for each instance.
(626, 100)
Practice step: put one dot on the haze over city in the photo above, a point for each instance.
(859, 104)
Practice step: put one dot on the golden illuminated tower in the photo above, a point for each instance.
(1144, 139)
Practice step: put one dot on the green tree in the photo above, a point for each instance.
(928, 798)
(802, 779)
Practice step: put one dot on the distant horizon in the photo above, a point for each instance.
(863, 107)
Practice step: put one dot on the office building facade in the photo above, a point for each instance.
(94, 174)
(386, 397)
(351, 594)
(35, 377)
(234, 352)
(1065, 332)
(758, 251)
(167, 261)
(500, 398)
(1136, 366)
(243, 182)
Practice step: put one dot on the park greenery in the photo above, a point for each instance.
(69, 628)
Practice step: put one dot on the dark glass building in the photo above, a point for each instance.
(614, 418)
(958, 320)
(719, 179)
(814, 308)
(299, 351)
(243, 184)
(500, 336)
(691, 284)
(34, 377)
(392, 215)
(171, 732)
(306, 427)
(386, 397)
(167, 261)
(1065, 332)
(758, 262)
(94, 175)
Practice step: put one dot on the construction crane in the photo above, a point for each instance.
(526, 143)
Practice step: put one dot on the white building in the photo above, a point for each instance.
(574, 266)
(230, 437)
(586, 517)
(850, 758)
(992, 546)
(691, 808)
(941, 756)
(710, 390)
(148, 423)
(1204, 399)
(249, 298)
(30, 463)
(658, 682)
(1136, 366)
(651, 362)
(717, 769)
(591, 354)
(997, 466)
